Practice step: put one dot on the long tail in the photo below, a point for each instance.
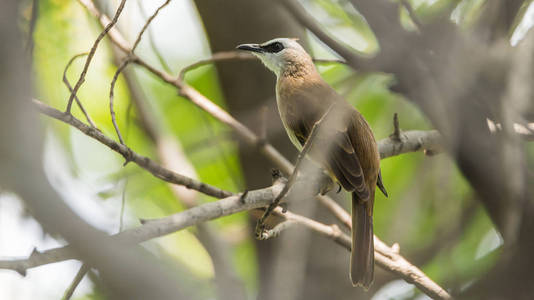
(362, 258)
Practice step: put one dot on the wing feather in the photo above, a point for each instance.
(333, 149)
(301, 105)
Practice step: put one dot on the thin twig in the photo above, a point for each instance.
(92, 53)
(298, 164)
(69, 87)
(147, 23)
(396, 135)
(111, 97)
(385, 257)
(339, 212)
(142, 161)
(239, 55)
(205, 120)
(75, 282)
(216, 57)
(123, 65)
(113, 33)
(300, 14)
(276, 230)
(153, 45)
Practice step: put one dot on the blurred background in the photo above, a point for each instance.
(432, 212)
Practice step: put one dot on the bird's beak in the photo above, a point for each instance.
(251, 47)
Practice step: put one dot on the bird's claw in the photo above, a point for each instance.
(283, 206)
(260, 230)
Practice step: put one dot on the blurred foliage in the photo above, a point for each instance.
(427, 194)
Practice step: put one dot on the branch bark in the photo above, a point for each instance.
(142, 161)
(386, 257)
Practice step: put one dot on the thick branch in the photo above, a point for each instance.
(156, 228)
(387, 258)
(411, 141)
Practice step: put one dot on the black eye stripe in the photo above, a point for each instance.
(273, 47)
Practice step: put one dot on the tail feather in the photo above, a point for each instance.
(362, 257)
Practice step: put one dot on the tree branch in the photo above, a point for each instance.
(92, 53)
(151, 40)
(75, 282)
(142, 161)
(238, 55)
(51, 256)
(69, 87)
(411, 141)
(124, 64)
(156, 228)
(387, 258)
(300, 14)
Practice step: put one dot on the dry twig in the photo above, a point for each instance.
(298, 164)
(239, 55)
(142, 161)
(111, 97)
(69, 87)
(129, 58)
(75, 282)
(309, 22)
(92, 53)
(155, 49)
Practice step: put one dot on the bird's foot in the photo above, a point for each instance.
(260, 231)
(326, 184)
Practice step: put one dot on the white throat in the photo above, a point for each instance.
(272, 62)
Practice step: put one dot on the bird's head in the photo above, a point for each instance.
(281, 55)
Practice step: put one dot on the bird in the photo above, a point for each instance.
(347, 151)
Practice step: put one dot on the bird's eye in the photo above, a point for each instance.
(274, 47)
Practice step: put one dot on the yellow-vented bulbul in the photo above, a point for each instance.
(348, 150)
